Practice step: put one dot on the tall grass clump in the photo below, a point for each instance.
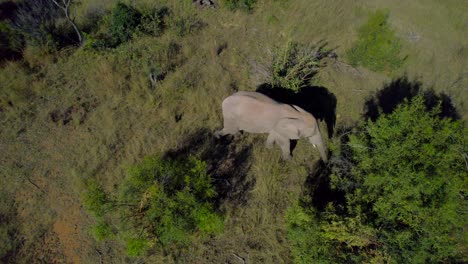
(377, 47)
(295, 65)
(403, 178)
(244, 5)
(162, 203)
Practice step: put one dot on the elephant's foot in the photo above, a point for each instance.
(218, 134)
(287, 157)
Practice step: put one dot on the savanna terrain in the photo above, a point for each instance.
(76, 116)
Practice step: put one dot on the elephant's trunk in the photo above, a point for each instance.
(317, 140)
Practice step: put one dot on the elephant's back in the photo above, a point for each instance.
(251, 114)
(256, 96)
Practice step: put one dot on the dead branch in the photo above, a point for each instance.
(35, 185)
(65, 6)
(239, 257)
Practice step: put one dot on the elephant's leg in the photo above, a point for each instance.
(285, 147)
(230, 128)
(270, 140)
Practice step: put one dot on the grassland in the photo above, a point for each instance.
(83, 114)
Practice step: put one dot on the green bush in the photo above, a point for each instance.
(162, 202)
(123, 22)
(377, 46)
(404, 194)
(295, 65)
(245, 5)
(307, 245)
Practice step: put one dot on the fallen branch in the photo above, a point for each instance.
(239, 257)
(35, 185)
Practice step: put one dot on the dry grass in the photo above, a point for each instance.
(118, 119)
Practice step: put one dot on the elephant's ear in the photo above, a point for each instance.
(289, 127)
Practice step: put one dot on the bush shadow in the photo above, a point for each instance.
(317, 187)
(317, 100)
(227, 164)
(386, 100)
(341, 163)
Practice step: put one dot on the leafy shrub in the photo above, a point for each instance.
(152, 21)
(35, 20)
(102, 231)
(123, 22)
(377, 47)
(245, 5)
(121, 25)
(95, 199)
(307, 246)
(295, 65)
(405, 194)
(162, 202)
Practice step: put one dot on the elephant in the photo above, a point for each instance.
(257, 113)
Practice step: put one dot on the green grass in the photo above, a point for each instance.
(117, 118)
(377, 46)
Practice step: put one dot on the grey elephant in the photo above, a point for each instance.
(256, 113)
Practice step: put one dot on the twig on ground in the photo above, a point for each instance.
(239, 257)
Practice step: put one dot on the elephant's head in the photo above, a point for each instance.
(302, 125)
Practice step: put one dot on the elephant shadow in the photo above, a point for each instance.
(317, 100)
(227, 164)
(386, 100)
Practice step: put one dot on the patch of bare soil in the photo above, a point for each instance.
(67, 233)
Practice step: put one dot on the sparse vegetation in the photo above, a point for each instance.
(74, 119)
(377, 46)
(245, 5)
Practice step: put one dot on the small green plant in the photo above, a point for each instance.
(136, 247)
(95, 199)
(245, 5)
(295, 65)
(186, 25)
(102, 231)
(377, 46)
(162, 202)
(152, 22)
